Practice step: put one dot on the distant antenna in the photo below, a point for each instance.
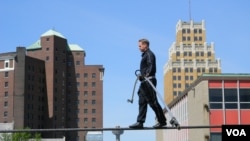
(189, 4)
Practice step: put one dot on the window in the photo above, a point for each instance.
(200, 38)
(179, 69)
(244, 98)
(195, 38)
(85, 111)
(185, 54)
(174, 85)
(174, 69)
(184, 38)
(85, 84)
(6, 84)
(5, 104)
(183, 31)
(6, 94)
(215, 137)
(93, 84)
(209, 54)
(179, 85)
(230, 97)
(191, 78)
(215, 98)
(5, 114)
(69, 63)
(210, 70)
(244, 95)
(77, 75)
(6, 64)
(6, 74)
(177, 53)
(93, 93)
(190, 54)
(200, 30)
(93, 102)
(85, 75)
(85, 93)
(179, 77)
(85, 120)
(202, 53)
(77, 62)
(93, 111)
(85, 102)
(198, 70)
(174, 77)
(77, 93)
(93, 75)
(175, 93)
(197, 54)
(215, 95)
(195, 30)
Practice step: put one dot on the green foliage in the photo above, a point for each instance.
(20, 136)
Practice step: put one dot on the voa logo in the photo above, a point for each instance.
(236, 132)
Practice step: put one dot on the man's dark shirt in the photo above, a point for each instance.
(148, 63)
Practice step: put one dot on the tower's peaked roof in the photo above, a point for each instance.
(75, 47)
(52, 32)
(34, 46)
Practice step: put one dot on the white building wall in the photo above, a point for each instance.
(180, 112)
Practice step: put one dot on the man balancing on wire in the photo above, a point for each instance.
(146, 93)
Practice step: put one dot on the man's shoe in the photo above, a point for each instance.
(136, 125)
(158, 125)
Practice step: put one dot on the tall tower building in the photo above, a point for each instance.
(189, 56)
(48, 85)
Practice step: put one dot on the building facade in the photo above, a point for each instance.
(212, 100)
(48, 85)
(189, 56)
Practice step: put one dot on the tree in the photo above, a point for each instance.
(20, 136)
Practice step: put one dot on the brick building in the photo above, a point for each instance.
(48, 85)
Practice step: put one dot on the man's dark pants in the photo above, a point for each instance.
(147, 95)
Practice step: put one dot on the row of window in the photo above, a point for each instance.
(230, 98)
(85, 84)
(86, 75)
(178, 85)
(188, 38)
(199, 70)
(198, 53)
(186, 78)
(176, 93)
(195, 30)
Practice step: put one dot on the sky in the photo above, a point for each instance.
(108, 31)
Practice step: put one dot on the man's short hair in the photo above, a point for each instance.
(144, 41)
